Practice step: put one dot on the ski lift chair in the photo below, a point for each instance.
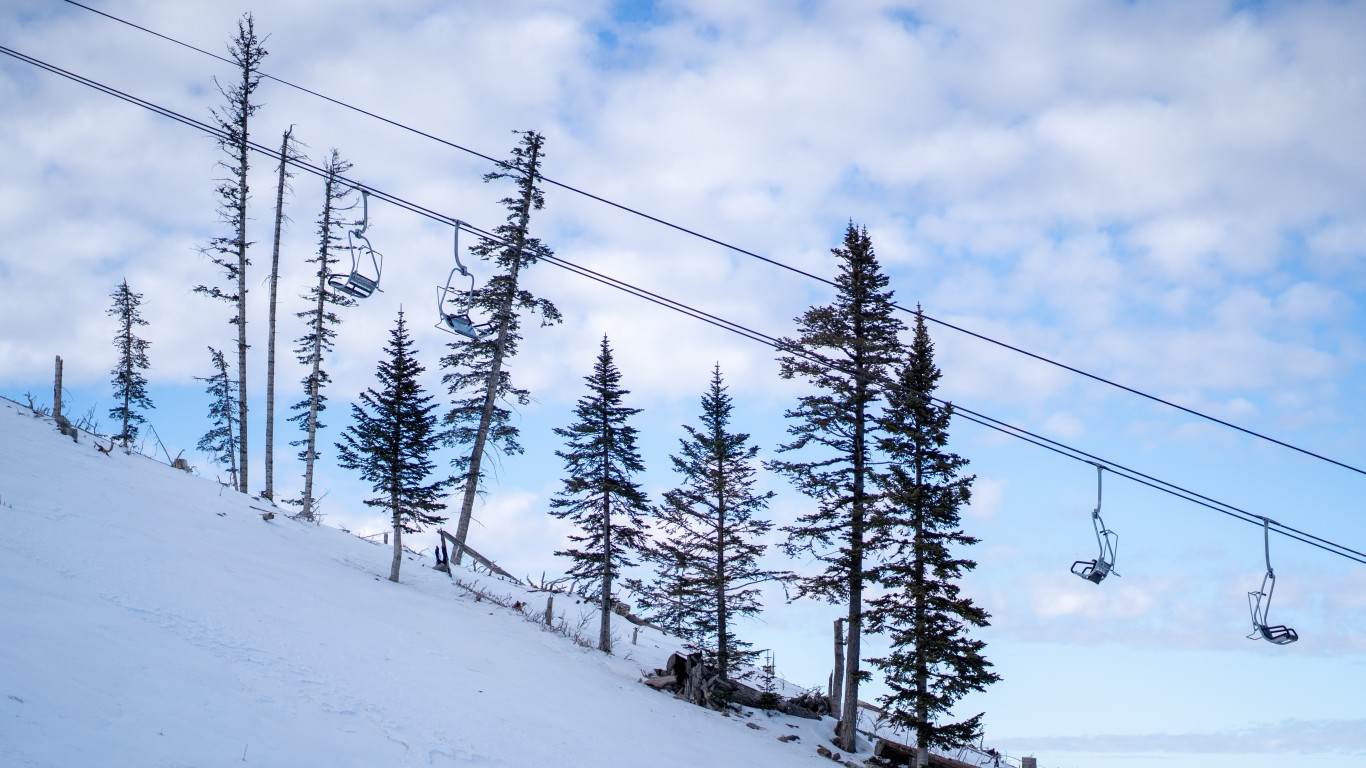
(1259, 602)
(1096, 570)
(457, 322)
(357, 283)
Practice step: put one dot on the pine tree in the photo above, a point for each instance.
(130, 385)
(671, 600)
(599, 495)
(708, 562)
(230, 252)
(288, 153)
(220, 442)
(933, 662)
(475, 376)
(843, 350)
(321, 321)
(391, 441)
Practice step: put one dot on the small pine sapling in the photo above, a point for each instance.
(130, 385)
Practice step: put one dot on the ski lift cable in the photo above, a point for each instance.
(771, 341)
(745, 252)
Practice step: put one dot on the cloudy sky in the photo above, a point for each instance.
(1164, 194)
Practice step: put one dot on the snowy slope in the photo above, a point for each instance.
(150, 618)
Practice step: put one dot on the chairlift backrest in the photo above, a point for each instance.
(358, 283)
(1107, 541)
(1259, 602)
(457, 322)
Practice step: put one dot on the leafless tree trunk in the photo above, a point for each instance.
(398, 544)
(274, 291)
(243, 484)
(605, 627)
(57, 389)
(837, 679)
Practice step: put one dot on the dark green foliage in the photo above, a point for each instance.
(599, 495)
(481, 389)
(220, 442)
(130, 385)
(321, 321)
(391, 441)
(844, 351)
(707, 559)
(933, 662)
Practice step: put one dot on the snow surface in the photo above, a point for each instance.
(149, 617)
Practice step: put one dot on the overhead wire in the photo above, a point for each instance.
(775, 343)
(746, 252)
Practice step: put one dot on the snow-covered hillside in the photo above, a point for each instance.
(150, 618)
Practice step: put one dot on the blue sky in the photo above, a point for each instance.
(1163, 194)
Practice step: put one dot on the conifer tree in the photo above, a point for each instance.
(391, 441)
(229, 252)
(220, 442)
(844, 350)
(708, 562)
(932, 661)
(672, 598)
(130, 385)
(599, 494)
(480, 418)
(288, 153)
(321, 320)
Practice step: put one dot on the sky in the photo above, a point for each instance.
(1165, 195)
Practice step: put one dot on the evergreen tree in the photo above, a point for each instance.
(480, 418)
(708, 563)
(391, 441)
(321, 321)
(288, 153)
(130, 385)
(844, 350)
(671, 600)
(933, 662)
(230, 252)
(220, 442)
(599, 495)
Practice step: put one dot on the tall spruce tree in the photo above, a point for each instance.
(708, 561)
(599, 494)
(130, 385)
(843, 350)
(288, 153)
(481, 388)
(230, 251)
(321, 320)
(391, 441)
(220, 442)
(933, 662)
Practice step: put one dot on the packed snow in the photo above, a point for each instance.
(152, 617)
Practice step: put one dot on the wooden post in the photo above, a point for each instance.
(1029, 762)
(635, 634)
(837, 680)
(57, 390)
(549, 610)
